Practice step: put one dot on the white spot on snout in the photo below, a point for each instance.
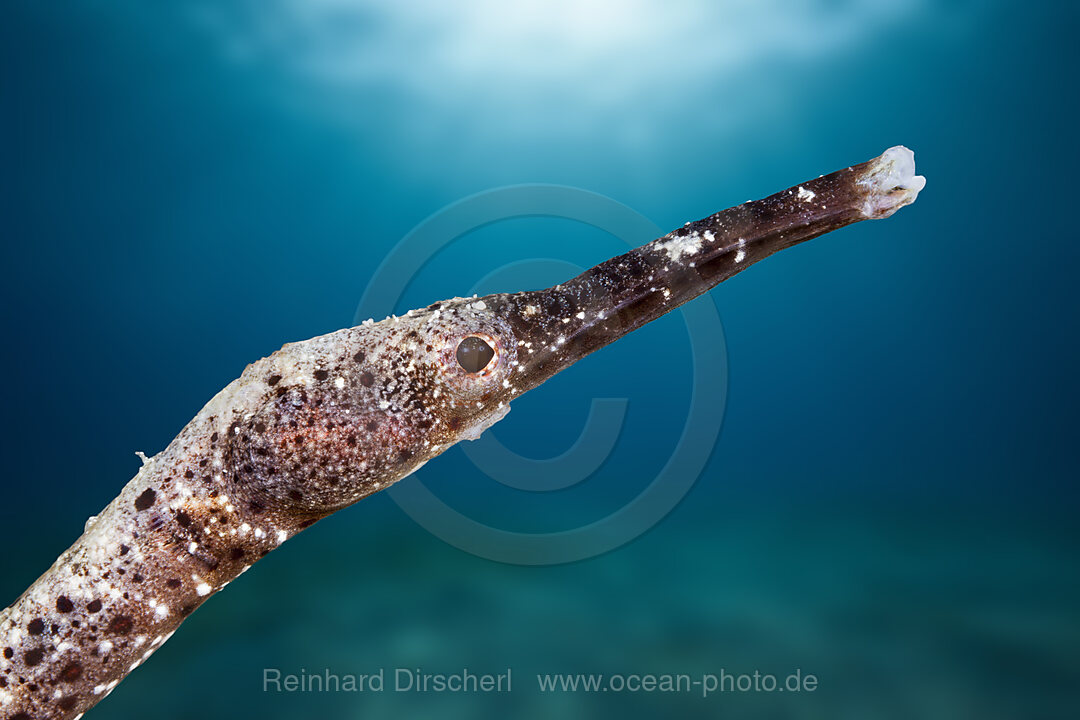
(680, 245)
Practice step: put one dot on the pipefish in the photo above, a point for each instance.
(322, 423)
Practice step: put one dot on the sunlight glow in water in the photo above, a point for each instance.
(591, 52)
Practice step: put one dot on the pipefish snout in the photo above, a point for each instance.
(322, 423)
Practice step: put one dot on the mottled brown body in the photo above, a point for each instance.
(321, 424)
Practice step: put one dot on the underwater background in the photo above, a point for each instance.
(890, 503)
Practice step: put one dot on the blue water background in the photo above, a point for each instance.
(892, 502)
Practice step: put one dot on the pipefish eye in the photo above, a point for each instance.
(474, 353)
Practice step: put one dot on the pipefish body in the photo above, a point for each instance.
(322, 423)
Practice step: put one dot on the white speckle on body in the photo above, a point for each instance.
(679, 245)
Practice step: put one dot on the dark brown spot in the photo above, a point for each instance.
(296, 494)
(367, 379)
(173, 582)
(3, 681)
(260, 427)
(187, 609)
(189, 474)
(36, 626)
(71, 672)
(321, 374)
(351, 440)
(256, 507)
(273, 380)
(9, 653)
(145, 500)
(359, 357)
(93, 606)
(183, 518)
(120, 625)
(20, 716)
(124, 549)
(454, 423)
(33, 657)
(423, 424)
(371, 426)
(68, 703)
(236, 554)
(404, 455)
(137, 578)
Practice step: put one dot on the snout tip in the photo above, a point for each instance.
(890, 183)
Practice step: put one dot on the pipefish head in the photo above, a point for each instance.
(348, 413)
